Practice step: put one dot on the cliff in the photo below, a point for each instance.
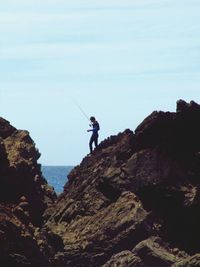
(135, 202)
(24, 195)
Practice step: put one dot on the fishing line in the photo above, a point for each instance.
(81, 110)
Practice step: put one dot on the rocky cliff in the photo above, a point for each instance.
(135, 202)
(24, 195)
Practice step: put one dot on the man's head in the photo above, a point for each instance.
(92, 119)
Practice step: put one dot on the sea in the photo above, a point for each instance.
(56, 176)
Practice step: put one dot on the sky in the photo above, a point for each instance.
(118, 60)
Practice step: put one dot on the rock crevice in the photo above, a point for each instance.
(135, 202)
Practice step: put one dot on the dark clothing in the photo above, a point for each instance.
(94, 137)
(96, 127)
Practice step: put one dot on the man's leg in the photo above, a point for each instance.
(96, 141)
(90, 144)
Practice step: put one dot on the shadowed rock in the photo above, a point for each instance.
(124, 259)
(134, 202)
(20, 174)
(18, 248)
(24, 195)
(193, 261)
(134, 186)
(153, 252)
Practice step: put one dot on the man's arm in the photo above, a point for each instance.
(95, 129)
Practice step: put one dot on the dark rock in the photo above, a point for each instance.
(17, 245)
(124, 259)
(193, 261)
(156, 129)
(153, 252)
(24, 195)
(156, 168)
(183, 106)
(96, 237)
(55, 241)
(134, 202)
(18, 172)
(177, 132)
(5, 128)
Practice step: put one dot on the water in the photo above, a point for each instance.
(56, 176)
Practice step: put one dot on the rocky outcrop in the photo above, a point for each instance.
(24, 195)
(155, 252)
(151, 252)
(189, 262)
(18, 247)
(135, 200)
(20, 175)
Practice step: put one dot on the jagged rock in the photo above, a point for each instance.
(96, 237)
(156, 168)
(176, 132)
(153, 252)
(24, 195)
(17, 246)
(18, 172)
(5, 128)
(134, 202)
(124, 259)
(193, 261)
(183, 106)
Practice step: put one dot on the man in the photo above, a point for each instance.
(94, 130)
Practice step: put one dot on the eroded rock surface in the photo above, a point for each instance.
(24, 196)
(135, 200)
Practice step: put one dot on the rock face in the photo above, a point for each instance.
(24, 195)
(135, 202)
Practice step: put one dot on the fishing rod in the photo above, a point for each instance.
(81, 110)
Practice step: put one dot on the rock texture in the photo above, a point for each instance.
(24, 195)
(135, 202)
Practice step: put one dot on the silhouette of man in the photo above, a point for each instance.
(95, 128)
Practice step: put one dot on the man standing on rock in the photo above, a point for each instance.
(95, 128)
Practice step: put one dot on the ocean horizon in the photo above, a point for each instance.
(56, 176)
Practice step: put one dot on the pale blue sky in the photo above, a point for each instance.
(119, 59)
